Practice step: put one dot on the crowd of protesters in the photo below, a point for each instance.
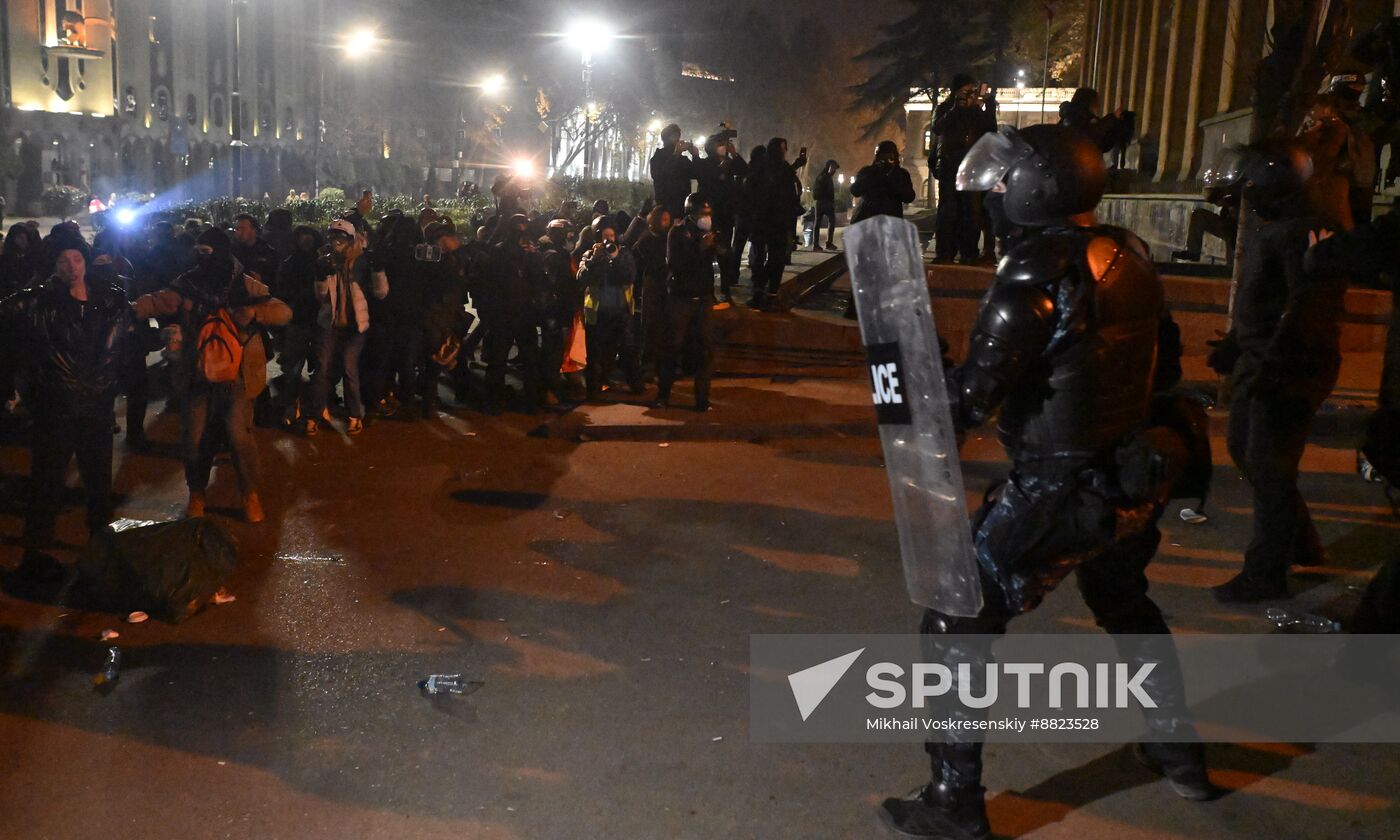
(260, 322)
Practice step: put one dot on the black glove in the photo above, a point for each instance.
(1224, 354)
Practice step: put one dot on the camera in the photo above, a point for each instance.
(610, 248)
(427, 253)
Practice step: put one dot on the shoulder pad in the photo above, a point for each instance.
(1041, 259)
(1111, 250)
(1016, 312)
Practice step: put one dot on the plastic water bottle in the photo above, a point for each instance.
(448, 684)
(111, 669)
(1291, 622)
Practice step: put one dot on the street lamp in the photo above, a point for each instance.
(360, 42)
(355, 44)
(493, 84)
(589, 35)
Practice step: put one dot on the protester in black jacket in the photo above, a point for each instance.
(958, 122)
(18, 259)
(671, 170)
(396, 322)
(691, 250)
(515, 273)
(1081, 113)
(560, 303)
(781, 197)
(256, 256)
(608, 273)
(883, 187)
(824, 195)
(650, 251)
(1287, 328)
(296, 287)
(69, 334)
(446, 283)
(1370, 254)
(720, 178)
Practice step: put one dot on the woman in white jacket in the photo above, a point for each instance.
(346, 270)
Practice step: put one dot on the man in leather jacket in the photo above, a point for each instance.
(1065, 350)
(1287, 329)
(71, 333)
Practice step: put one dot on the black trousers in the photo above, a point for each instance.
(523, 334)
(770, 259)
(395, 350)
(959, 224)
(1049, 519)
(730, 262)
(610, 344)
(825, 210)
(136, 383)
(688, 324)
(55, 441)
(1267, 434)
(1204, 221)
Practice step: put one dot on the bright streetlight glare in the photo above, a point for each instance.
(493, 84)
(523, 168)
(126, 216)
(654, 125)
(359, 42)
(590, 36)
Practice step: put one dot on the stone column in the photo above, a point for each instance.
(1121, 91)
(1134, 89)
(1151, 90)
(1191, 141)
(1108, 67)
(1176, 88)
(1091, 47)
(1229, 59)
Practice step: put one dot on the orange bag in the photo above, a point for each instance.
(220, 348)
(576, 348)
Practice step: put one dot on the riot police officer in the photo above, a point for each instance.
(1066, 348)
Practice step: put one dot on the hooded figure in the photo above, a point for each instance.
(214, 294)
(883, 187)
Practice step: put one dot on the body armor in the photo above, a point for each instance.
(1066, 344)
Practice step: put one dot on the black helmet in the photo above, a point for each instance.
(695, 202)
(1270, 174)
(1050, 172)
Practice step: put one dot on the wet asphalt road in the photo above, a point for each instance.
(605, 592)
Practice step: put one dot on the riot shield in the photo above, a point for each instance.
(916, 425)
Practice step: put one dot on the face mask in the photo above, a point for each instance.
(705, 223)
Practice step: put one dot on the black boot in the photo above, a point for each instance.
(938, 812)
(1183, 765)
(1243, 589)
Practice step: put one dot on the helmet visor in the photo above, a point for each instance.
(1227, 171)
(990, 158)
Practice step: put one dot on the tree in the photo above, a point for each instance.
(923, 50)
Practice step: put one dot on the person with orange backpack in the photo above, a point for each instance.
(218, 313)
